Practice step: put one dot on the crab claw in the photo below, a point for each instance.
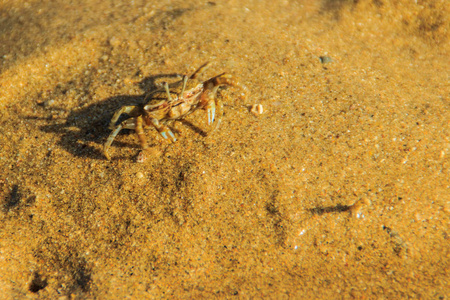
(163, 130)
(171, 135)
(211, 109)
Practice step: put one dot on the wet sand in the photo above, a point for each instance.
(339, 189)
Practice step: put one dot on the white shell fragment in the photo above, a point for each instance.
(257, 109)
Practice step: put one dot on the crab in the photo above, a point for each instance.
(171, 102)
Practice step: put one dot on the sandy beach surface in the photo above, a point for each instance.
(328, 178)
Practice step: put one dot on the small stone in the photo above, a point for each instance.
(141, 157)
(325, 59)
(257, 109)
(356, 207)
(48, 103)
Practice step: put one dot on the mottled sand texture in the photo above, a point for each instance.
(336, 187)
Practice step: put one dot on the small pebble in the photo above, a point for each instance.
(141, 157)
(325, 59)
(257, 109)
(139, 175)
(48, 103)
(356, 208)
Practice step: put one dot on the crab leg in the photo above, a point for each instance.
(163, 129)
(166, 87)
(219, 106)
(224, 79)
(212, 85)
(140, 132)
(127, 124)
(185, 79)
(199, 70)
(122, 110)
(211, 110)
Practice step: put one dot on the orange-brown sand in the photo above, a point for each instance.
(336, 187)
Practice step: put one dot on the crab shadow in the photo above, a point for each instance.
(84, 130)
